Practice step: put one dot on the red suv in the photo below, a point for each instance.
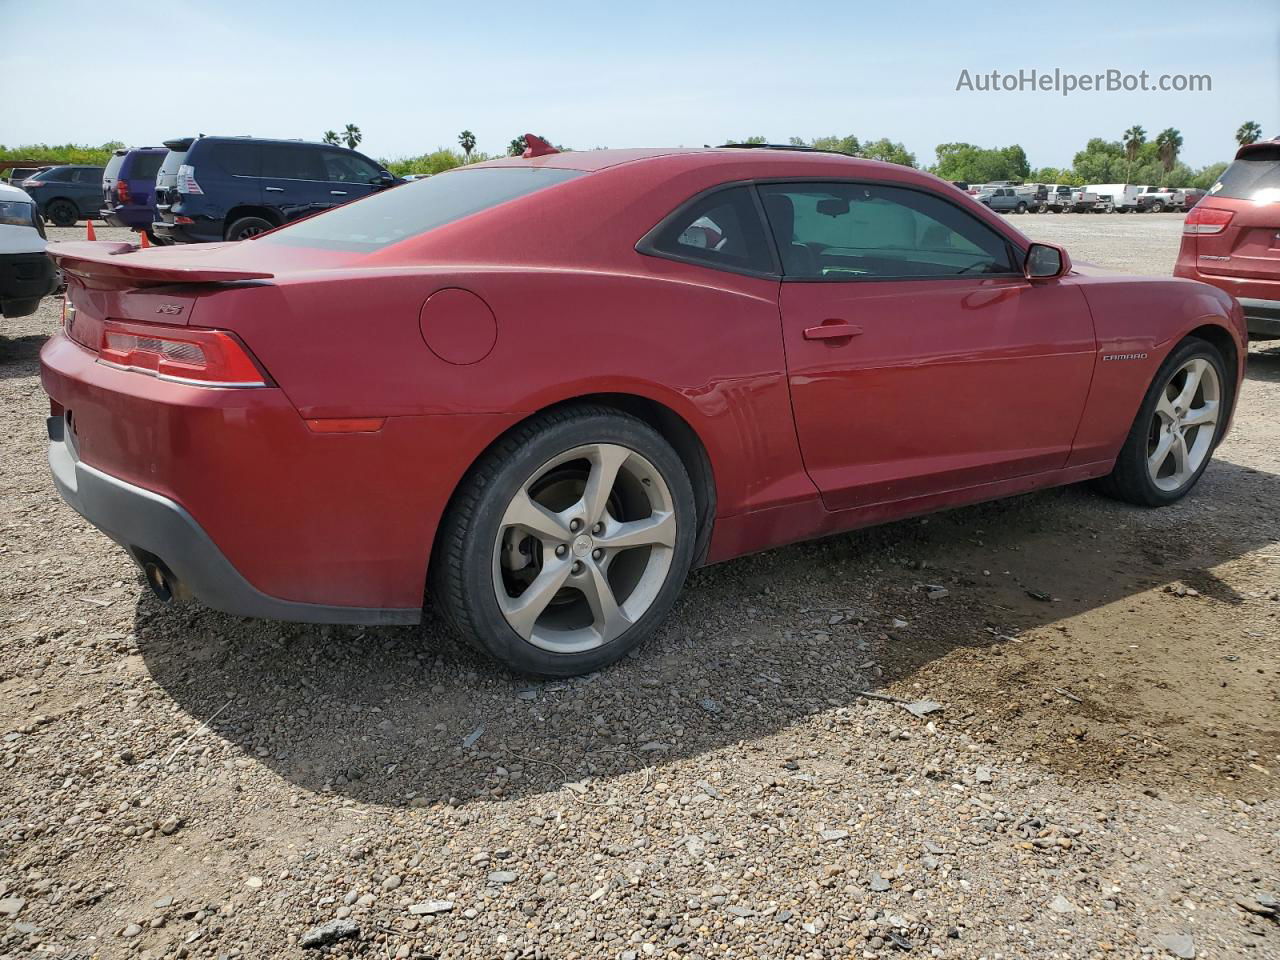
(1231, 238)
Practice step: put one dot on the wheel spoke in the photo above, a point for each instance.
(1195, 370)
(1202, 416)
(607, 616)
(606, 459)
(1181, 457)
(657, 529)
(1157, 458)
(522, 612)
(1164, 407)
(527, 514)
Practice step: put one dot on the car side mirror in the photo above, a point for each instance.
(383, 179)
(1046, 261)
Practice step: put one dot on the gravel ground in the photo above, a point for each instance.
(1098, 777)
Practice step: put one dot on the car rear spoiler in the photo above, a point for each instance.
(102, 264)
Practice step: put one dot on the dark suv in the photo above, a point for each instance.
(230, 188)
(66, 194)
(128, 185)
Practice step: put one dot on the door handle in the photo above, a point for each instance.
(337, 193)
(832, 330)
(274, 189)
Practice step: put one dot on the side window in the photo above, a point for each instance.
(845, 231)
(238, 159)
(286, 161)
(722, 229)
(349, 168)
(89, 175)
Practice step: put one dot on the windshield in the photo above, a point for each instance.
(1256, 178)
(406, 211)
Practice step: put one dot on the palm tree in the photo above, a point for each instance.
(1134, 138)
(1169, 141)
(331, 137)
(352, 135)
(1249, 132)
(467, 140)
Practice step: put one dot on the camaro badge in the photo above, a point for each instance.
(1124, 356)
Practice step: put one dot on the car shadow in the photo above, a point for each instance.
(1264, 363)
(20, 355)
(396, 716)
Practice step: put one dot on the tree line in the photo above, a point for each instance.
(1136, 157)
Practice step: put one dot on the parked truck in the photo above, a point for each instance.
(1115, 197)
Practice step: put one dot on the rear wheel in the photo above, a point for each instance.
(1042, 208)
(1020, 207)
(246, 227)
(63, 213)
(568, 543)
(1176, 430)
(1157, 207)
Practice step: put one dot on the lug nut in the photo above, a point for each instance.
(575, 525)
(561, 550)
(597, 554)
(598, 528)
(576, 568)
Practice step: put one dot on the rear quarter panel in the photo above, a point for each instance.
(706, 345)
(1138, 321)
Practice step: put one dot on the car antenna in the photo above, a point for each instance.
(535, 146)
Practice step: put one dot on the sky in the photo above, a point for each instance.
(650, 73)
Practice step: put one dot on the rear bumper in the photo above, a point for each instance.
(132, 217)
(157, 530)
(1262, 317)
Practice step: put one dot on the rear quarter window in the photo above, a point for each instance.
(237, 159)
(397, 213)
(113, 167)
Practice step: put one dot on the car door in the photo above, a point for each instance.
(349, 175)
(293, 179)
(920, 359)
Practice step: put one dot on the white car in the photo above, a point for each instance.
(27, 272)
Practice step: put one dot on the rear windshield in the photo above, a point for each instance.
(406, 211)
(1253, 178)
(145, 166)
(172, 161)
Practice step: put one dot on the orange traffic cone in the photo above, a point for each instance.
(143, 242)
(88, 233)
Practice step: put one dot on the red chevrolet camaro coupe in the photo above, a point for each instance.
(535, 392)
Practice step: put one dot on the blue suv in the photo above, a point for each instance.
(230, 188)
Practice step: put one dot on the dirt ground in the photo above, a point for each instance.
(1099, 781)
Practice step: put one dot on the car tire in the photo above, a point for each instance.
(246, 227)
(1157, 207)
(1150, 471)
(530, 519)
(62, 213)
(1042, 208)
(1020, 207)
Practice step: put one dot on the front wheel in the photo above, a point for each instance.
(568, 543)
(1157, 207)
(1176, 430)
(1042, 208)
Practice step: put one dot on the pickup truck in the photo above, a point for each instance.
(1005, 200)
(1158, 199)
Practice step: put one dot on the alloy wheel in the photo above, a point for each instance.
(584, 547)
(1180, 437)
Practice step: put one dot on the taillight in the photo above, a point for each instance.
(122, 191)
(203, 358)
(187, 180)
(1203, 220)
